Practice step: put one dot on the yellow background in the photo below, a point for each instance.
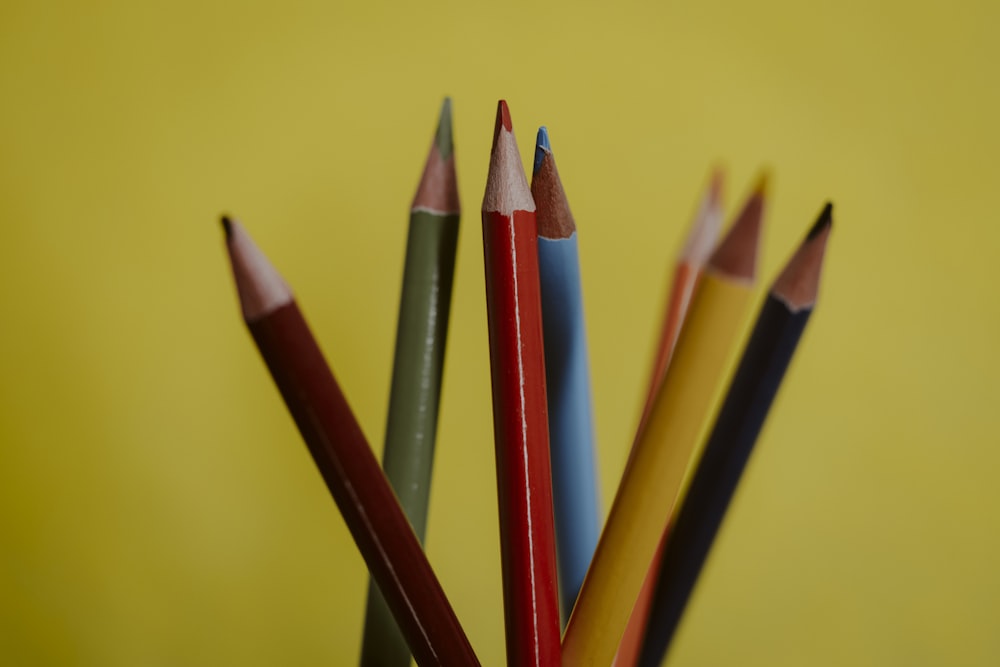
(156, 504)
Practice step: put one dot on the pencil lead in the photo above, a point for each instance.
(825, 219)
(542, 146)
(443, 139)
(503, 115)
(503, 120)
(227, 226)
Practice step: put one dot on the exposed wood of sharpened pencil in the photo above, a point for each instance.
(653, 477)
(411, 426)
(567, 377)
(698, 246)
(524, 482)
(347, 464)
(774, 339)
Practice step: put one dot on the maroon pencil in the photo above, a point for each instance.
(351, 472)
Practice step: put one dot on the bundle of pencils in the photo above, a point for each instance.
(620, 592)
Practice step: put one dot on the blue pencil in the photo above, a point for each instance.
(567, 376)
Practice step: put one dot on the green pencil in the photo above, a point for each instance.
(416, 376)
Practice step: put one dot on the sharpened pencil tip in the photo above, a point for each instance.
(506, 184)
(736, 254)
(438, 188)
(704, 233)
(824, 220)
(798, 283)
(503, 120)
(227, 226)
(554, 218)
(716, 183)
(763, 184)
(443, 139)
(542, 146)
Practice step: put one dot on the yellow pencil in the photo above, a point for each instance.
(656, 469)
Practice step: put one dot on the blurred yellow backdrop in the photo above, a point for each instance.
(156, 504)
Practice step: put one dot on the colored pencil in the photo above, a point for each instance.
(775, 336)
(524, 482)
(700, 241)
(348, 466)
(567, 378)
(653, 477)
(411, 426)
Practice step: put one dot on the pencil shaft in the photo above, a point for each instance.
(424, 307)
(520, 423)
(354, 478)
(630, 646)
(718, 472)
(571, 433)
(685, 279)
(411, 426)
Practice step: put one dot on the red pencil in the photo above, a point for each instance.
(350, 470)
(520, 420)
